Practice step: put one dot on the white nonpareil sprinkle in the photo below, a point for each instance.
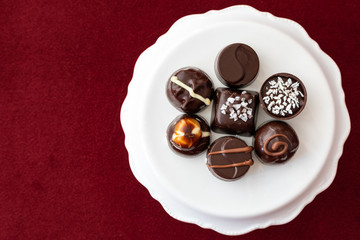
(237, 108)
(282, 97)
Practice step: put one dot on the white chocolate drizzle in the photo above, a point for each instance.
(175, 80)
(205, 134)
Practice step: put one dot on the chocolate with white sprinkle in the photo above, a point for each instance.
(234, 111)
(283, 96)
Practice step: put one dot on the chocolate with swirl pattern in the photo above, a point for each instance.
(275, 142)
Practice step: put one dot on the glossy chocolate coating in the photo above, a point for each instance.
(222, 164)
(197, 144)
(237, 65)
(282, 98)
(275, 142)
(198, 81)
(229, 113)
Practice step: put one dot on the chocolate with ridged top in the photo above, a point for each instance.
(234, 111)
(189, 90)
(237, 65)
(229, 158)
(188, 134)
(275, 142)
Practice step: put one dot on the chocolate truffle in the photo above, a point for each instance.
(229, 158)
(275, 142)
(234, 111)
(189, 90)
(188, 134)
(237, 65)
(283, 96)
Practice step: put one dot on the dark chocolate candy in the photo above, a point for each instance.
(237, 65)
(283, 96)
(229, 158)
(234, 111)
(188, 134)
(189, 90)
(275, 142)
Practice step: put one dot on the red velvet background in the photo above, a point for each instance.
(64, 70)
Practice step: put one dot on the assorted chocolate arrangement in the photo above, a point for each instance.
(282, 96)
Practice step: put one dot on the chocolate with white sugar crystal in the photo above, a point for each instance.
(283, 96)
(234, 111)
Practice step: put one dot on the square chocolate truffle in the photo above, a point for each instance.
(234, 111)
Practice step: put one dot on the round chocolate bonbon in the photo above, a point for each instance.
(229, 158)
(275, 142)
(283, 96)
(237, 65)
(188, 134)
(189, 90)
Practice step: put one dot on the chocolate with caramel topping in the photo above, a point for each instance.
(188, 134)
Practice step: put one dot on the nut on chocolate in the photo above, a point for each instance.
(187, 132)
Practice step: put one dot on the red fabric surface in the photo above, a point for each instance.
(64, 70)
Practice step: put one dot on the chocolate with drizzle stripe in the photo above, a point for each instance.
(229, 158)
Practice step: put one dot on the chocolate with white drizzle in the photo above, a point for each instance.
(283, 96)
(189, 90)
(188, 134)
(229, 158)
(275, 142)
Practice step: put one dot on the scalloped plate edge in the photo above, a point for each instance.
(328, 174)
